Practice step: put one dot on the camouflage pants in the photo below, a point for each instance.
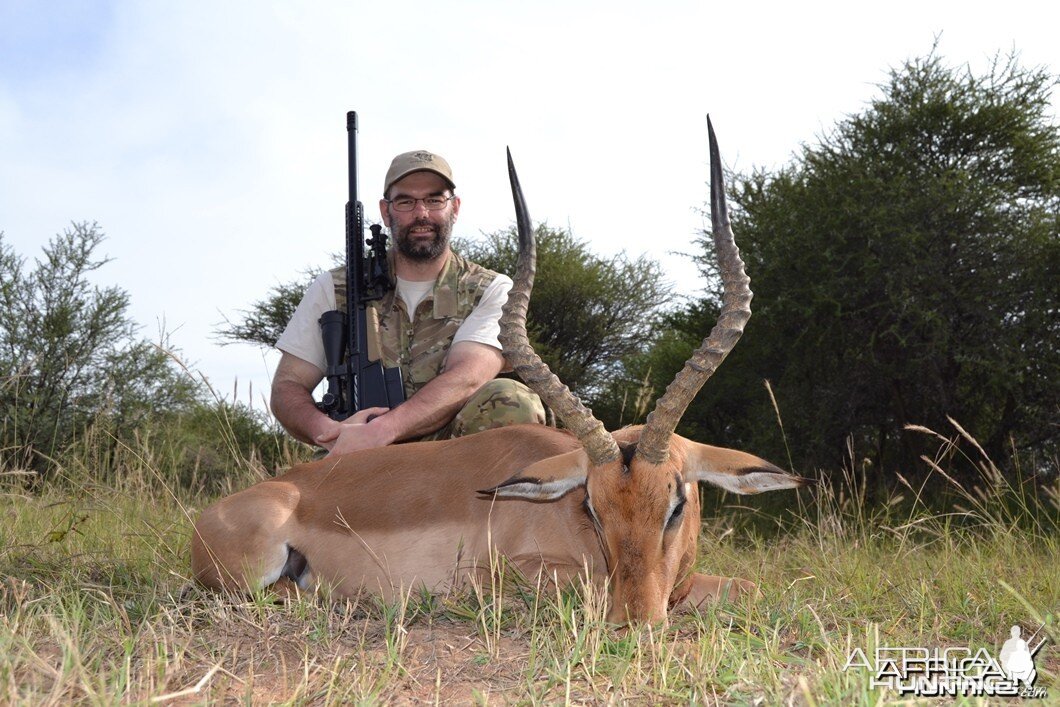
(499, 403)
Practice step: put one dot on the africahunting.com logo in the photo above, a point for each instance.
(941, 672)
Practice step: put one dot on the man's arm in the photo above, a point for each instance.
(292, 399)
(293, 405)
(468, 367)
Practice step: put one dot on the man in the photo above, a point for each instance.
(439, 325)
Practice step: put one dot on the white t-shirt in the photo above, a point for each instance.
(301, 338)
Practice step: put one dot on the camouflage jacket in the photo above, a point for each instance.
(419, 344)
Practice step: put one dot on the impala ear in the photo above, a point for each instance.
(547, 479)
(737, 471)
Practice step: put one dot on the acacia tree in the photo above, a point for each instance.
(69, 353)
(905, 270)
(587, 313)
(266, 319)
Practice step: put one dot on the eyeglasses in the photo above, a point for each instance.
(431, 203)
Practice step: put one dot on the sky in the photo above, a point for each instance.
(208, 140)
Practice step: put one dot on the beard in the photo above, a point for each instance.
(424, 250)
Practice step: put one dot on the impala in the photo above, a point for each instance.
(623, 505)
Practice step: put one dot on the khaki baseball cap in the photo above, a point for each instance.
(417, 161)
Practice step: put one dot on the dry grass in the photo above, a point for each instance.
(96, 608)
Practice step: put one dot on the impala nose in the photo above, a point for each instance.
(644, 605)
(624, 619)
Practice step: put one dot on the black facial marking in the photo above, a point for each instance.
(295, 566)
(679, 507)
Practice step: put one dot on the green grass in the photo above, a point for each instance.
(96, 607)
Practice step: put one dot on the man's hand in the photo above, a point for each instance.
(360, 431)
(468, 366)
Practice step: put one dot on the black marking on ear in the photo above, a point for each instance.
(770, 469)
(764, 469)
(753, 480)
(510, 482)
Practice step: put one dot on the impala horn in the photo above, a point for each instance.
(597, 441)
(654, 445)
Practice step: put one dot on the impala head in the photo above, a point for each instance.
(640, 483)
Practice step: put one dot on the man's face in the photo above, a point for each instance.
(420, 234)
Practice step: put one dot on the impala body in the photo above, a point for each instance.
(392, 519)
(624, 506)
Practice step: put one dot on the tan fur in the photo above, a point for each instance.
(393, 518)
(403, 517)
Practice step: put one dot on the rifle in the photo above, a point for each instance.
(354, 382)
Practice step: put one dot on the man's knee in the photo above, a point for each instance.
(498, 403)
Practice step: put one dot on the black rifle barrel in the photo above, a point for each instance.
(354, 382)
(351, 130)
(354, 271)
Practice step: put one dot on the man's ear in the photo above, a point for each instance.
(735, 471)
(384, 212)
(547, 479)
